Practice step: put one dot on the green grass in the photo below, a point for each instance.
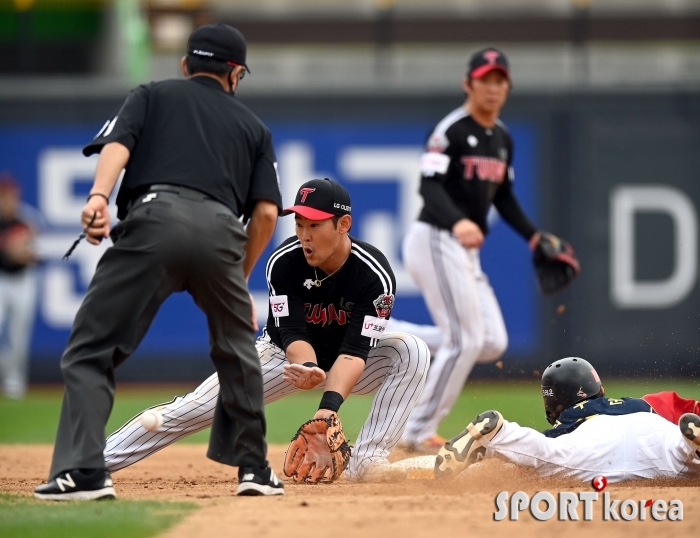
(24, 517)
(34, 419)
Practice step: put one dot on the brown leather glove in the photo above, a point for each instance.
(318, 452)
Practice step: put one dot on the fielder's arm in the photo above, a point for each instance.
(302, 371)
(342, 378)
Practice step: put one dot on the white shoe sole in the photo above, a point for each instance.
(104, 493)
(252, 489)
(461, 451)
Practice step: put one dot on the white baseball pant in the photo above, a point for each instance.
(622, 447)
(17, 307)
(464, 307)
(395, 372)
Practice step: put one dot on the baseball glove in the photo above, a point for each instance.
(556, 265)
(318, 452)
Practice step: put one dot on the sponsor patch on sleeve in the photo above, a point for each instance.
(374, 327)
(434, 163)
(279, 306)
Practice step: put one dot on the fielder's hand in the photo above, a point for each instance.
(468, 233)
(303, 377)
(95, 206)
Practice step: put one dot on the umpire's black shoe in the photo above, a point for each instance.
(77, 485)
(690, 428)
(257, 481)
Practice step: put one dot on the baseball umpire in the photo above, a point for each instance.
(197, 163)
(331, 298)
(467, 167)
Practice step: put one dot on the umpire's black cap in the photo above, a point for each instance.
(320, 199)
(220, 42)
(487, 60)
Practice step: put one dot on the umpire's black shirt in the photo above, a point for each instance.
(179, 132)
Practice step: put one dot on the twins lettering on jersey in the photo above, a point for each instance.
(320, 315)
(487, 168)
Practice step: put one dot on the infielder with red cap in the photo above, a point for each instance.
(331, 297)
(467, 168)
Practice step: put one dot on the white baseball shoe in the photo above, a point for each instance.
(431, 445)
(464, 449)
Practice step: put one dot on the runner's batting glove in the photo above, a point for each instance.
(555, 263)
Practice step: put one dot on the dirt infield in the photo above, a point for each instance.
(416, 507)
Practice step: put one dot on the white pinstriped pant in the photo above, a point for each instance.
(396, 370)
(464, 307)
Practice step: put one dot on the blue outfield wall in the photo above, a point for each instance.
(378, 164)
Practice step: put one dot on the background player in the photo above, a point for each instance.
(18, 286)
(466, 169)
(620, 438)
(330, 300)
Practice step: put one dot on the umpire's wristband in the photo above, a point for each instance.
(310, 364)
(331, 400)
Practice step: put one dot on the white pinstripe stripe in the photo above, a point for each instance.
(373, 265)
(275, 256)
(449, 120)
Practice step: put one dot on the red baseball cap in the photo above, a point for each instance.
(320, 199)
(485, 61)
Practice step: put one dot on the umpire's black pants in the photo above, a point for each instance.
(171, 240)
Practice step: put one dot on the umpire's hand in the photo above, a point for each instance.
(99, 229)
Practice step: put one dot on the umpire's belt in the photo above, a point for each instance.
(182, 192)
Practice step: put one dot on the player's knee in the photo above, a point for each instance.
(494, 348)
(413, 351)
(471, 343)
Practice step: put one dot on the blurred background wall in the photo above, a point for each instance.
(605, 114)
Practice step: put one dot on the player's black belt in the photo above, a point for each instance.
(183, 192)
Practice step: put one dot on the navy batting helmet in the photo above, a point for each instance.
(566, 382)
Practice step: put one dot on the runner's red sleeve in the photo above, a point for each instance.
(671, 406)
